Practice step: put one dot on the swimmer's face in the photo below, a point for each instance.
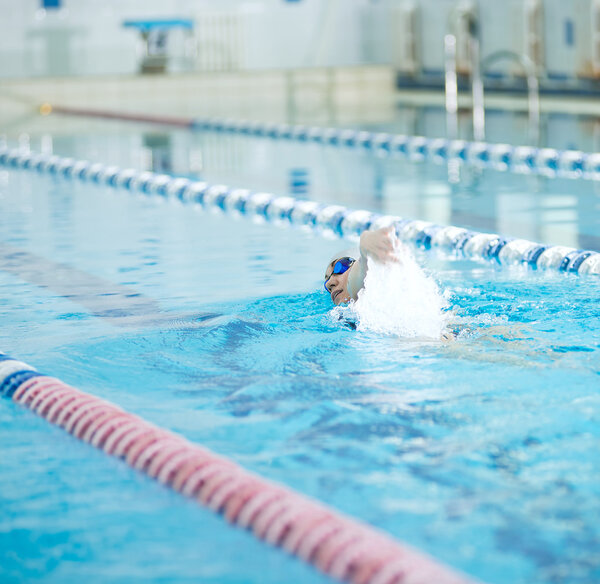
(337, 284)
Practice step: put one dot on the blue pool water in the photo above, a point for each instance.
(481, 451)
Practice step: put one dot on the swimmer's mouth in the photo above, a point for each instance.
(336, 294)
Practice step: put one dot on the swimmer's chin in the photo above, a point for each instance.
(339, 299)
(336, 295)
(345, 301)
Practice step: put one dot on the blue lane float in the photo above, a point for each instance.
(333, 219)
(549, 162)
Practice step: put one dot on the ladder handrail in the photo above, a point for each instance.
(533, 87)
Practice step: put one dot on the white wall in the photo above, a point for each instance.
(87, 36)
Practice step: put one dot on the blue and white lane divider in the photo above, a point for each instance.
(336, 219)
(549, 162)
(502, 157)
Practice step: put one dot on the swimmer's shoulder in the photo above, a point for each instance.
(448, 336)
(453, 331)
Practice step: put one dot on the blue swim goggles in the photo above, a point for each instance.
(341, 266)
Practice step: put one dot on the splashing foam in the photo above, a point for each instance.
(399, 299)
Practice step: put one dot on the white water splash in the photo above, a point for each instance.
(400, 299)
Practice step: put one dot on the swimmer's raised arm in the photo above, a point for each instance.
(345, 277)
(379, 245)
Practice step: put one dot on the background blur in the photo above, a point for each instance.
(281, 55)
(91, 37)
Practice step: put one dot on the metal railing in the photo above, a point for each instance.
(533, 94)
(476, 68)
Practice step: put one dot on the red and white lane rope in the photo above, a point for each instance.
(337, 545)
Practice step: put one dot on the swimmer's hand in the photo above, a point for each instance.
(381, 245)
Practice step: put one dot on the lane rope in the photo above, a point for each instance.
(339, 546)
(550, 162)
(335, 219)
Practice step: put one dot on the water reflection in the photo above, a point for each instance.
(551, 210)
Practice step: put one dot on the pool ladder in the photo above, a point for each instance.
(463, 19)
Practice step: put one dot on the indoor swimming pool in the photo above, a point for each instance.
(480, 451)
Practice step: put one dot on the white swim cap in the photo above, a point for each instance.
(352, 252)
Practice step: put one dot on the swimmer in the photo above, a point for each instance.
(345, 277)
(345, 274)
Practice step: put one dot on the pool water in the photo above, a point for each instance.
(481, 451)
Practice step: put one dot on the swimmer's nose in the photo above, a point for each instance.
(331, 283)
